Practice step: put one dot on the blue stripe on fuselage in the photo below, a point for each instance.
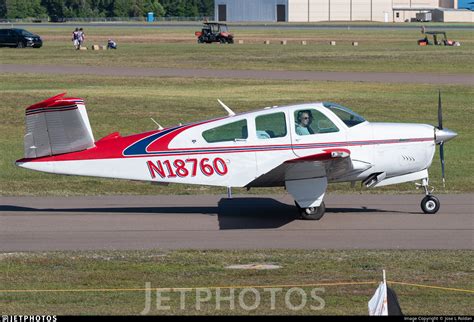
(139, 148)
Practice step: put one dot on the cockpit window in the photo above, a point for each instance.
(271, 126)
(349, 117)
(227, 132)
(311, 121)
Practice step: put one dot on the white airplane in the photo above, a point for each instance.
(301, 147)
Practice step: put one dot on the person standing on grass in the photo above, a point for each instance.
(81, 37)
(75, 41)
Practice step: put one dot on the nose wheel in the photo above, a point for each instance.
(429, 204)
(311, 213)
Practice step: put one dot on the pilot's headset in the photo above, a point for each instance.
(300, 116)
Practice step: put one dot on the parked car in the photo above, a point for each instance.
(19, 38)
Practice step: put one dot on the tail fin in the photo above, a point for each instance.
(57, 125)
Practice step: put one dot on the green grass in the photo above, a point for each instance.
(132, 269)
(126, 105)
(378, 50)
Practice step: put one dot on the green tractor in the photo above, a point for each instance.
(214, 32)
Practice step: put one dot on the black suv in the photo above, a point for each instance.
(19, 38)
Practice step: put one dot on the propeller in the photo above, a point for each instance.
(441, 145)
(440, 112)
(442, 136)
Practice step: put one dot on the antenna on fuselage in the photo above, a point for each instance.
(227, 108)
(157, 124)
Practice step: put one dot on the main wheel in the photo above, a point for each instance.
(20, 44)
(312, 213)
(430, 204)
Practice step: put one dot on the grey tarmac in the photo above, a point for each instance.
(352, 221)
(418, 78)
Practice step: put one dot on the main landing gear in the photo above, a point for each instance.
(312, 213)
(430, 204)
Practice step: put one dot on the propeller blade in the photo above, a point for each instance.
(441, 156)
(440, 112)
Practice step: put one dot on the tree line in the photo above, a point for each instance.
(18, 9)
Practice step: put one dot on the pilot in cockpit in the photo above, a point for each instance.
(304, 119)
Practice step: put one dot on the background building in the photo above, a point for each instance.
(335, 10)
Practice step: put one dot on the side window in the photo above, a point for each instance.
(271, 126)
(311, 121)
(227, 132)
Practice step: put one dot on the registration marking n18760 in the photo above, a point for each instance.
(187, 167)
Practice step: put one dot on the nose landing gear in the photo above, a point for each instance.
(429, 204)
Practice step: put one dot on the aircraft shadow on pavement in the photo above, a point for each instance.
(254, 213)
(236, 213)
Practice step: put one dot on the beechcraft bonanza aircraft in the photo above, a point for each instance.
(301, 147)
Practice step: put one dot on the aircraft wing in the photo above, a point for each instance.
(331, 163)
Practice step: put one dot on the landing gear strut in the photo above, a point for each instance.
(312, 213)
(430, 204)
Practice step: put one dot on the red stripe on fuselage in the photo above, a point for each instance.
(112, 148)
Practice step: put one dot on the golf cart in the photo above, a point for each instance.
(214, 32)
(439, 39)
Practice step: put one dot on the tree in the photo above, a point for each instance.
(105, 8)
(17, 9)
(135, 10)
(77, 8)
(54, 7)
(3, 9)
(191, 8)
(206, 8)
(154, 6)
(121, 8)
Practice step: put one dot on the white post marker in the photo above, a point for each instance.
(378, 304)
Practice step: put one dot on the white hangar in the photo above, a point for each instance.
(330, 10)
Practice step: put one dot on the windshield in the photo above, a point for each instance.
(224, 28)
(349, 117)
(27, 33)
